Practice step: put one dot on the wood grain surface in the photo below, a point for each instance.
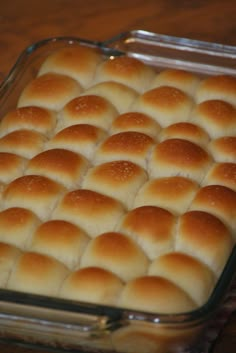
(23, 22)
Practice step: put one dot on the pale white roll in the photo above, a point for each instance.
(216, 117)
(38, 274)
(219, 201)
(8, 257)
(79, 62)
(221, 87)
(131, 146)
(152, 228)
(62, 240)
(80, 138)
(117, 253)
(223, 149)
(119, 179)
(205, 237)
(190, 274)
(37, 193)
(11, 166)
(174, 194)
(26, 143)
(120, 95)
(17, 226)
(63, 166)
(51, 91)
(178, 78)
(130, 71)
(28, 118)
(167, 105)
(222, 174)
(135, 121)
(155, 294)
(93, 212)
(88, 109)
(92, 285)
(186, 131)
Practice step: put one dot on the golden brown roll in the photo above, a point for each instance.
(79, 62)
(80, 138)
(172, 193)
(63, 166)
(11, 166)
(92, 285)
(120, 95)
(219, 201)
(93, 212)
(17, 225)
(119, 179)
(223, 149)
(88, 109)
(167, 105)
(28, 118)
(8, 256)
(222, 174)
(130, 71)
(38, 274)
(26, 143)
(61, 240)
(221, 87)
(178, 78)
(38, 193)
(156, 295)
(117, 253)
(152, 228)
(186, 272)
(216, 117)
(205, 237)
(51, 91)
(135, 121)
(180, 157)
(186, 131)
(131, 146)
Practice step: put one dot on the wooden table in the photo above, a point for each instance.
(23, 22)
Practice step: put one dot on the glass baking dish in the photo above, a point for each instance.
(61, 325)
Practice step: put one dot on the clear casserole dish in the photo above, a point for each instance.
(63, 325)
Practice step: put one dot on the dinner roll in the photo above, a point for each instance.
(8, 257)
(186, 272)
(167, 105)
(155, 294)
(92, 285)
(128, 145)
(79, 62)
(60, 239)
(51, 91)
(117, 253)
(172, 193)
(180, 157)
(216, 117)
(88, 109)
(152, 228)
(93, 212)
(38, 274)
(130, 71)
(65, 167)
(222, 174)
(28, 118)
(221, 87)
(223, 149)
(118, 179)
(39, 194)
(17, 225)
(26, 143)
(135, 121)
(205, 237)
(11, 166)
